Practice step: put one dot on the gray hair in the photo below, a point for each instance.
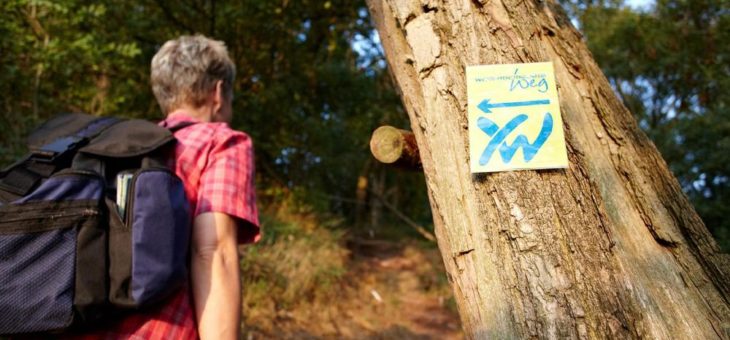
(185, 70)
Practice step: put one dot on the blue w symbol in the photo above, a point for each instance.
(508, 151)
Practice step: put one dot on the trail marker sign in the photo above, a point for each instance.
(514, 118)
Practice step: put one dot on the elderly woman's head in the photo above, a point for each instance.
(189, 72)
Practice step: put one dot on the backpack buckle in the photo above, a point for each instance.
(57, 149)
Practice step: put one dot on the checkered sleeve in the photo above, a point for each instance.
(227, 183)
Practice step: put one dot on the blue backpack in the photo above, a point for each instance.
(92, 224)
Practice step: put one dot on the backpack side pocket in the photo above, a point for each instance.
(46, 238)
(153, 263)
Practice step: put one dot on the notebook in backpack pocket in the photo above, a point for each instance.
(148, 246)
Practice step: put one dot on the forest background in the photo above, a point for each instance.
(312, 85)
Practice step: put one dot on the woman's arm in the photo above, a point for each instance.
(216, 276)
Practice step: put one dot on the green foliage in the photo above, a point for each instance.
(670, 66)
(303, 92)
(61, 56)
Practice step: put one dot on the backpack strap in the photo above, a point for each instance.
(21, 177)
(158, 160)
(17, 179)
(179, 126)
(65, 145)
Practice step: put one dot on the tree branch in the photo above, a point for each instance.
(421, 230)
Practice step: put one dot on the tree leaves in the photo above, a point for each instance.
(303, 92)
(670, 66)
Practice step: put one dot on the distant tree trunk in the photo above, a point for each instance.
(361, 192)
(608, 248)
(377, 186)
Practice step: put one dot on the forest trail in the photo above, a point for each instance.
(389, 292)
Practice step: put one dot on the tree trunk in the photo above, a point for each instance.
(608, 248)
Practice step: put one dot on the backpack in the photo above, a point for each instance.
(92, 223)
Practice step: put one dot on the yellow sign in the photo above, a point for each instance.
(514, 118)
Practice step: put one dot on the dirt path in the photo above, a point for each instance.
(388, 293)
(422, 310)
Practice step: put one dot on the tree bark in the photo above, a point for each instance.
(608, 248)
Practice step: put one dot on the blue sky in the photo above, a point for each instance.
(639, 4)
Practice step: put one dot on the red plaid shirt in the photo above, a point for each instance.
(216, 166)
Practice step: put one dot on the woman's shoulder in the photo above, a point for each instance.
(220, 137)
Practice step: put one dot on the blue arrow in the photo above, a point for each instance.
(486, 106)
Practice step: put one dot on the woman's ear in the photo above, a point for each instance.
(218, 97)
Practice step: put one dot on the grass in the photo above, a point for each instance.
(305, 280)
(299, 262)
